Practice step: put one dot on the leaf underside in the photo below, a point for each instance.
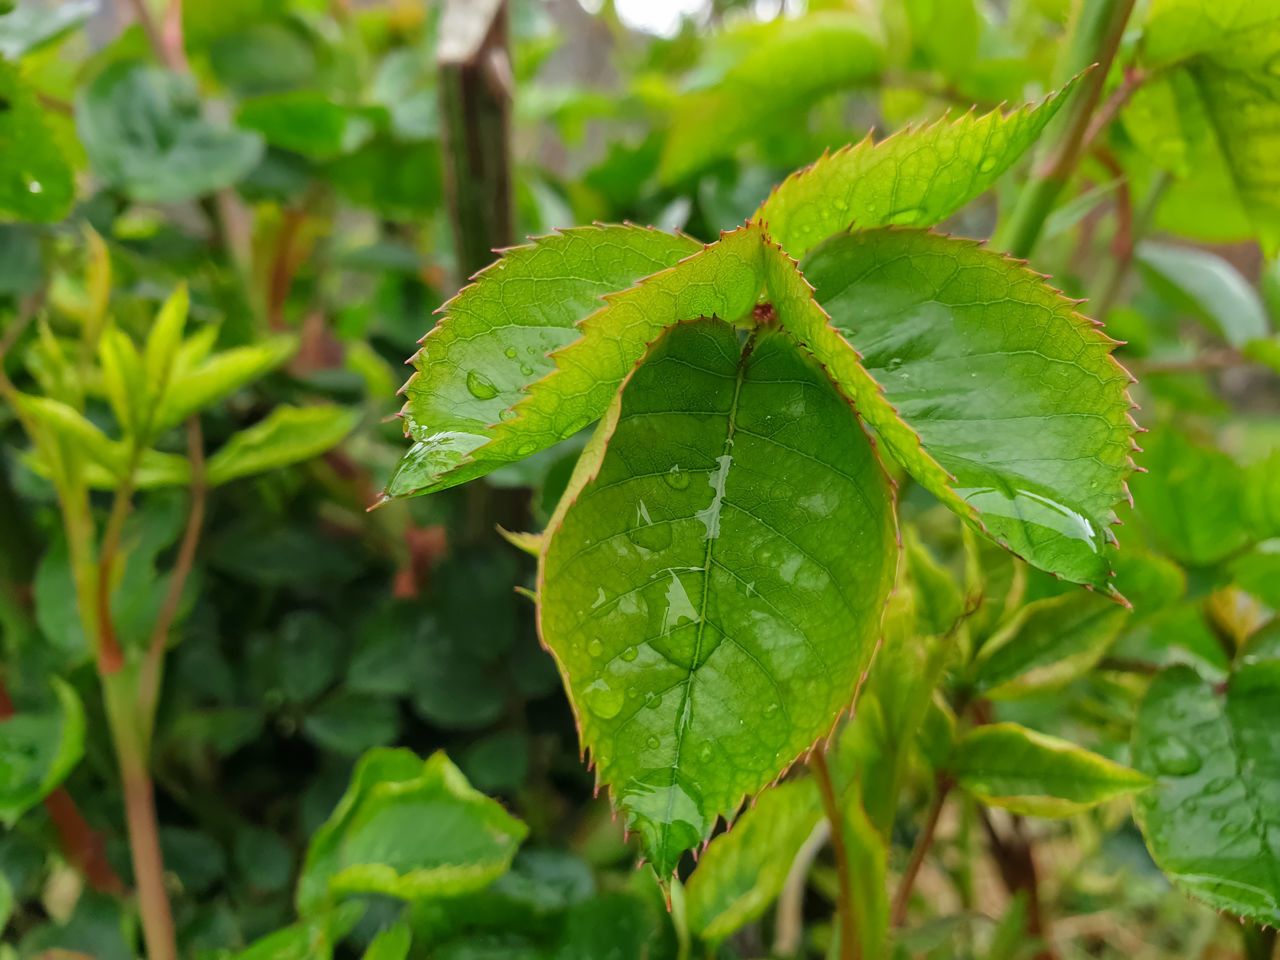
(713, 592)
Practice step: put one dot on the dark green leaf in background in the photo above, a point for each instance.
(35, 178)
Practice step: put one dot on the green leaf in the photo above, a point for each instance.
(496, 337)
(916, 176)
(1047, 644)
(1007, 765)
(35, 178)
(199, 383)
(31, 26)
(123, 379)
(163, 340)
(144, 133)
(408, 829)
(715, 576)
(868, 855)
(75, 430)
(391, 944)
(1262, 495)
(743, 871)
(1212, 818)
(1192, 498)
(350, 724)
(313, 938)
(1016, 415)
(1211, 287)
(6, 901)
(307, 122)
(37, 751)
(947, 32)
(287, 435)
(817, 55)
(1177, 29)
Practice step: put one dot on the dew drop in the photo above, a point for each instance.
(771, 710)
(653, 743)
(508, 414)
(35, 187)
(630, 654)
(603, 700)
(894, 364)
(1174, 757)
(987, 165)
(1216, 786)
(526, 369)
(676, 478)
(705, 753)
(510, 353)
(595, 648)
(481, 387)
(907, 216)
(646, 534)
(652, 700)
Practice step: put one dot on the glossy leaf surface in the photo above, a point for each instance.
(1007, 765)
(495, 338)
(1212, 821)
(917, 177)
(1009, 390)
(713, 586)
(408, 829)
(742, 871)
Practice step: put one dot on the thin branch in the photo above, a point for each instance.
(850, 948)
(165, 39)
(789, 928)
(1133, 79)
(924, 840)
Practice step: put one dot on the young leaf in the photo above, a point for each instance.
(495, 338)
(1003, 385)
(123, 379)
(391, 944)
(579, 380)
(195, 387)
(1177, 29)
(35, 178)
(786, 66)
(1211, 287)
(408, 829)
(73, 428)
(142, 129)
(1048, 644)
(1213, 816)
(743, 871)
(1007, 765)
(163, 340)
(715, 576)
(311, 939)
(307, 122)
(916, 176)
(37, 751)
(286, 436)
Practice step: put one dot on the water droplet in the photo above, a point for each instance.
(1216, 786)
(652, 700)
(909, 215)
(710, 517)
(508, 414)
(676, 478)
(646, 534)
(595, 648)
(481, 387)
(630, 654)
(771, 710)
(35, 187)
(1026, 508)
(1174, 757)
(653, 743)
(987, 165)
(603, 700)
(530, 350)
(705, 753)
(510, 353)
(526, 370)
(894, 364)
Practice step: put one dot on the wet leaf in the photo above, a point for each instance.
(749, 545)
(916, 177)
(998, 381)
(410, 829)
(743, 871)
(495, 338)
(1212, 818)
(1007, 765)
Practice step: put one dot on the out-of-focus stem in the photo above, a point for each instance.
(850, 947)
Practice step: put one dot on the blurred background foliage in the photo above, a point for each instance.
(283, 159)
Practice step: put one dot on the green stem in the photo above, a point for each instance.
(1259, 942)
(850, 948)
(1094, 40)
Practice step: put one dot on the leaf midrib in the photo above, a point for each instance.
(717, 504)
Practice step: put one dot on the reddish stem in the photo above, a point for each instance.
(924, 841)
(850, 947)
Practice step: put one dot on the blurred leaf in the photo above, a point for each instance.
(1047, 644)
(916, 177)
(742, 871)
(1207, 820)
(390, 944)
(96, 929)
(408, 829)
(37, 751)
(123, 380)
(1007, 765)
(287, 435)
(404, 86)
(307, 122)
(395, 180)
(1262, 495)
(498, 763)
(1002, 400)
(1259, 573)
(199, 383)
(30, 26)
(1191, 498)
(1210, 286)
(6, 901)
(1176, 29)
(313, 938)
(350, 724)
(144, 132)
(35, 178)
(816, 54)
(497, 336)
(947, 32)
(195, 857)
(790, 615)
(21, 260)
(264, 858)
(611, 926)
(163, 340)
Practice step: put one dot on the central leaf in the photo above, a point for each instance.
(714, 582)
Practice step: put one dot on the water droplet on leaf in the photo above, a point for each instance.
(480, 386)
(603, 700)
(1174, 757)
(676, 478)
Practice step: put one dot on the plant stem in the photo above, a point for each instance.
(1116, 267)
(850, 949)
(898, 913)
(789, 927)
(1094, 40)
(110, 654)
(1259, 942)
(680, 920)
